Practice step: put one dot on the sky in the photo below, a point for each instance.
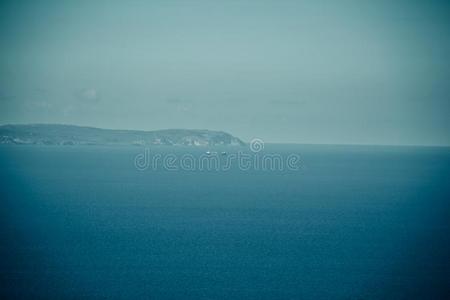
(335, 72)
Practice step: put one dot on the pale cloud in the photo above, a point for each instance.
(88, 94)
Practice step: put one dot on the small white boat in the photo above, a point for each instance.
(208, 152)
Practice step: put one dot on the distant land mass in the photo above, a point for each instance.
(55, 134)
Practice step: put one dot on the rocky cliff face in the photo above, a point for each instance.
(51, 134)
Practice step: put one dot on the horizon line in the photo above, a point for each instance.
(246, 142)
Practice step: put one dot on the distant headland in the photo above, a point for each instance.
(56, 134)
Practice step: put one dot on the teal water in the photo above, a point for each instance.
(354, 222)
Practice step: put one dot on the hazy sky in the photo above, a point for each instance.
(285, 71)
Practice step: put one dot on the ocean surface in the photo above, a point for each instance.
(352, 222)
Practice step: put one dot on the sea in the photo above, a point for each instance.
(346, 222)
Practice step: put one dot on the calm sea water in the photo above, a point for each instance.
(353, 223)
